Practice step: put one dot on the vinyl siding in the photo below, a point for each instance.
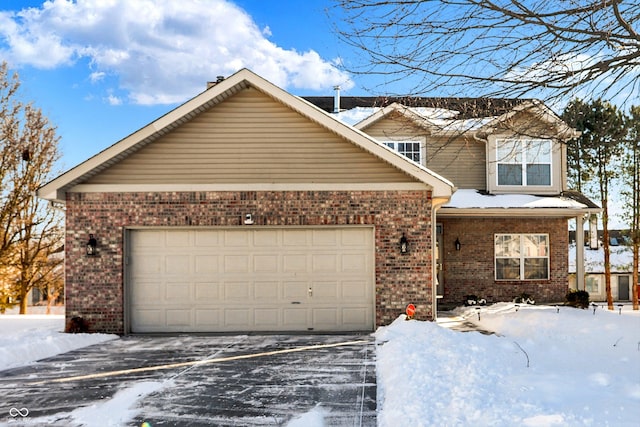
(460, 160)
(250, 138)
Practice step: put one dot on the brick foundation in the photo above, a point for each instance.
(95, 285)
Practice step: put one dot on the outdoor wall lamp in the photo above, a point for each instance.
(91, 245)
(458, 244)
(404, 244)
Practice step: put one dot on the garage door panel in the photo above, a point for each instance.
(238, 317)
(179, 317)
(354, 263)
(295, 318)
(267, 318)
(324, 263)
(266, 263)
(266, 291)
(179, 239)
(238, 239)
(207, 291)
(270, 279)
(354, 290)
(208, 319)
(179, 292)
(296, 290)
(325, 291)
(149, 292)
(208, 238)
(351, 317)
(206, 264)
(236, 291)
(295, 263)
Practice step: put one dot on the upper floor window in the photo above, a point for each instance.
(410, 149)
(524, 162)
(522, 256)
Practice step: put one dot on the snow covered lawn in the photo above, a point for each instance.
(27, 338)
(544, 368)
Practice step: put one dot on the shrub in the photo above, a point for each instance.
(577, 298)
(524, 298)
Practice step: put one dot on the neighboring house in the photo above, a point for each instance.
(621, 260)
(250, 209)
(504, 231)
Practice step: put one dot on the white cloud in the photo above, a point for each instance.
(160, 51)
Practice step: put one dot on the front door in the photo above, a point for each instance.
(623, 288)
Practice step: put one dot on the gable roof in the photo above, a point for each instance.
(448, 115)
(222, 90)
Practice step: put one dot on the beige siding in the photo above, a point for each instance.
(460, 160)
(250, 138)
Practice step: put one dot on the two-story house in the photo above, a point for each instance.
(503, 233)
(250, 209)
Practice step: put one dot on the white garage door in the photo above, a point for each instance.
(259, 279)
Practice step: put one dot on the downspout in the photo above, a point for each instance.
(436, 205)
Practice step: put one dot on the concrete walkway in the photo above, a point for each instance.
(449, 320)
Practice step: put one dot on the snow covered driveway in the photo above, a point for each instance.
(199, 380)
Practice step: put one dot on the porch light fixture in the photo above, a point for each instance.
(404, 244)
(458, 244)
(91, 245)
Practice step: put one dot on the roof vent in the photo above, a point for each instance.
(219, 79)
(336, 99)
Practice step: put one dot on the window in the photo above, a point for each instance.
(592, 284)
(522, 256)
(410, 149)
(524, 162)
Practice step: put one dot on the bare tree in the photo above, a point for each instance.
(537, 48)
(31, 231)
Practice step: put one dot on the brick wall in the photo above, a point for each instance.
(470, 271)
(95, 285)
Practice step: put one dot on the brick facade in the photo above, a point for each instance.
(470, 271)
(95, 284)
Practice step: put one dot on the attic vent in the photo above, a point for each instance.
(218, 80)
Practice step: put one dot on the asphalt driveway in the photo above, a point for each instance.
(238, 380)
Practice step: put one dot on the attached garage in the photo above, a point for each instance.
(256, 279)
(167, 208)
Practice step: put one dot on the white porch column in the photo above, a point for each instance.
(580, 253)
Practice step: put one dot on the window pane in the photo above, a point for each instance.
(538, 174)
(508, 245)
(536, 268)
(509, 151)
(538, 151)
(535, 245)
(509, 174)
(507, 269)
(591, 284)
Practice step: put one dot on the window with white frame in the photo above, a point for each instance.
(523, 162)
(410, 149)
(522, 256)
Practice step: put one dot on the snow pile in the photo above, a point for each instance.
(546, 367)
(27, 338)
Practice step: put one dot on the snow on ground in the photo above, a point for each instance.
(27, 338)
(545, 367)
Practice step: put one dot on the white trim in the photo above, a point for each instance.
(139, 188)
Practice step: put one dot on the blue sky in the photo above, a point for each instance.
(101, 69)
